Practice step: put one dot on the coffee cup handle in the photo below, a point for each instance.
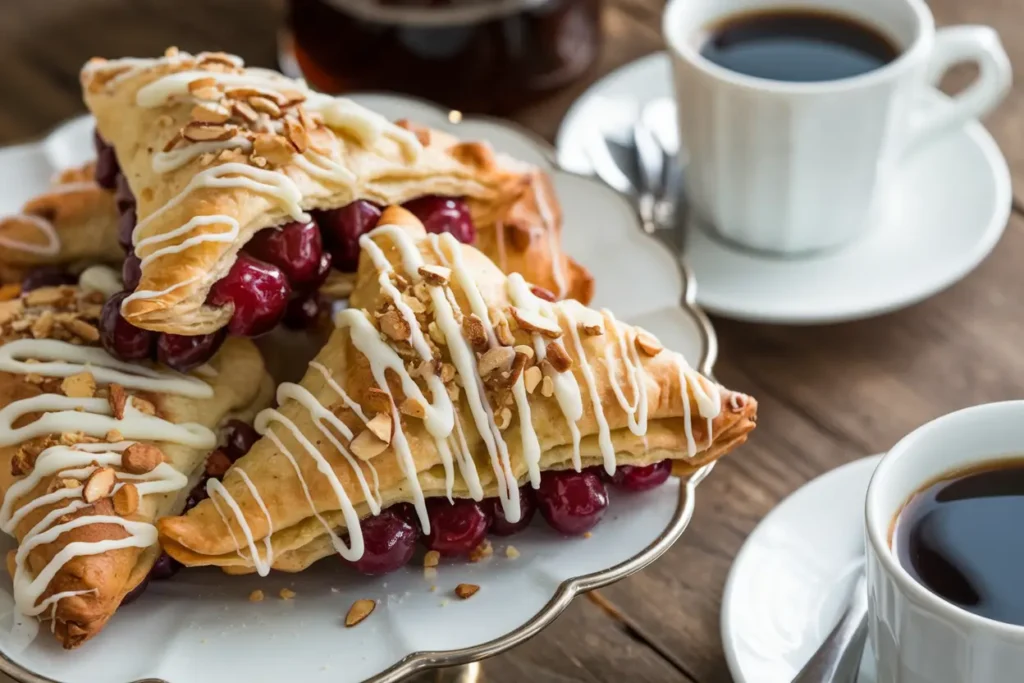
(956, 45)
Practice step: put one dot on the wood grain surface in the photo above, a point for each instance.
(828, 394)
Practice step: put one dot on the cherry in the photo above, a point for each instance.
(197, 495)
(322, 271)
(107, 167)
(642, 478)
(125, 227)
(455, 529)
(407, 511)
(123, 195)
(119, 337)
(258, 293)
(342, 229)
(239, 438)
(46, 276)
(164, 568)
(131, 271)
(444, 214)
(303, 311)
(501, 526)
(295, 248)
(572, 502)
(183, 352)
(133, 595)
(388, 544)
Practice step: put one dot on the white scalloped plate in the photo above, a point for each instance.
(200, 626)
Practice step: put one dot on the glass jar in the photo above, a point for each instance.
(473, 55)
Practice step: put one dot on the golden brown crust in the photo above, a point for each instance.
(383, 170)
(73, 222)
(675, 428)
(110, 575)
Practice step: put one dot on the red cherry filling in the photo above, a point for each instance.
(119, 337)
(642, 478)
(295, 248)
(239, 439)
(46, 276)
(303, 311)
(407, 511)
(123, 195)
(107, 168)
(257, 292)
(131, 271)
(323, 269)
(572, 502)
(342, 229)
(388, 544)
(164, 568)
(444, 214)
(133, 595)
(455, 529)
(183, 353)
(125, 228)
(501, 526)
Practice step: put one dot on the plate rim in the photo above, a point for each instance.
(419, 661)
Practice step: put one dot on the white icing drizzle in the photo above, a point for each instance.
(548, 218)
(45, 227)
(262, 564)
(91, 416)
(165, 162)
(636, 412)
(102, 279)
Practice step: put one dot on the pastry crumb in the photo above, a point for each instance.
(512, 552)
(431, 559)
(256, 596)
(588, 535)
(433, 589)
(466, 590)
(287, 593)
(359, 610)
(481, 552)
(444, 603)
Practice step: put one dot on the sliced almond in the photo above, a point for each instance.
(140, 458)
(210, 113)
(296, 135)
(558, 357)
(547, 387)
(118, 399)
(205, 88)
(273, 148)
(498, 358)
(99, 484)
(435, 275)
(542, 293)
(592, 330)
(82, 330)
(395, 326)
(382, 426)
(265, 105)
(243, 111)
(290, 98)
(533, 322)
(208, 132)
(173, 142)
(43, 325)
(475, 331)
(466, 590)
(532, 377)
(367, 445)
(525, 350)
(377, 401)
(413, 408)
(434, 330)
(646, 342)
(81, 385)
(126, 500)
(48, 296)
(359, 610)
(431, 559)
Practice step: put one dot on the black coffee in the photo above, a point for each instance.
(796, 45)
(963, 538)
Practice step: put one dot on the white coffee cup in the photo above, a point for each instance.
(917, 636)
(793, 167)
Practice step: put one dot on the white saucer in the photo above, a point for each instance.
(793, 577)
(953, 199)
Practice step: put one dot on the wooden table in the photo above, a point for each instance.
(828, 394)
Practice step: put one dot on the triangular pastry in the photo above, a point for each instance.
(73, 222)
(215, 152)
(447, 378)
(94, 451)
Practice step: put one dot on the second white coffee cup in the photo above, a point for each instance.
(792, 167)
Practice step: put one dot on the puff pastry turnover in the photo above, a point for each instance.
(94, 451)
(447, 378)
(215, 152)
(73, 222)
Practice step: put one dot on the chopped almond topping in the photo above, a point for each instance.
(143, 406)
(475, 332)
(256, 596)
(126, 500)
(592, 329)
(296, 135)
(524, 349)
(82, 385)
(273, 148)
(447, 372)
(382, 426)
(197, 131)
(453, 391)
(99, 484)
(547, 387)
(533, 377)
(559, 359)
(503, 419)
(82, 330)
(204, 88)
(140, 458)
(481, 552)
(434, 330)
(114, 436)
(502, 330)
(43, 325)
(466, 590)
(413, 408)
(210, 113)
(244, 112)
(118, 399)
(414, 304)
(360, 610)
(395, 326)
(435, 275)
(22, 463)
(217, 463)
(173, 142)
(48, 296)
(431, 559)
(498, 358)
(532, 322)
(377, 401)
(287, 593)
(517, 369)
(367, 445)
(265, 105)
(646, 342)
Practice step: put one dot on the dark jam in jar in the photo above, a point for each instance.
(473, 55)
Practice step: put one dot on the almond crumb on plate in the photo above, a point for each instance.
(466, 590)
(256, 596)
(481, 552)
(287, 593)
(360, 610)
(512, 552)
(588, 535)
(431, 559)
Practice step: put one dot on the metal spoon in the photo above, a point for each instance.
(838, 658)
